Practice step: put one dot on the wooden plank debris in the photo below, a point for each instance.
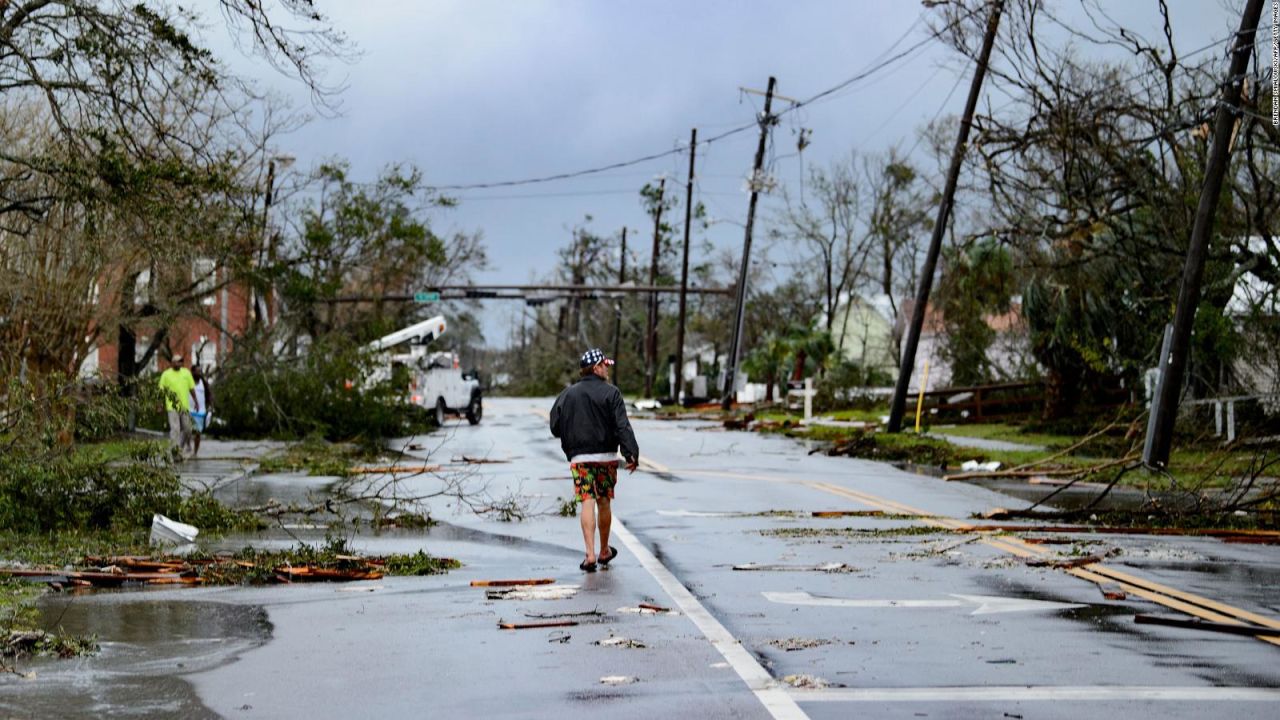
(509, 583)
(536, 625)
(1113, 591)
(311, 573)
(1064, 563)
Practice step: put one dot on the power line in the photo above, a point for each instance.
(874, 68)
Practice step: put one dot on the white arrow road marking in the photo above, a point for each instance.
(987, 604)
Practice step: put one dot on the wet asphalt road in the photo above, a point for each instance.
(913, 621)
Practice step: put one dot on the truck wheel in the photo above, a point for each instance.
(475, 409)
(440, 411)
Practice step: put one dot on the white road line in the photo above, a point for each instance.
(770, 694)
(1032, 693)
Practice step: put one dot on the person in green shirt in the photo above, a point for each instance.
(177, 384)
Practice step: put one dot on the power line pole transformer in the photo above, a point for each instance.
(651, 331)
(1164, 408)
(684, 266)
(908, 359)
(735, 348)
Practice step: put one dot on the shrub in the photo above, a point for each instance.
(324, 392)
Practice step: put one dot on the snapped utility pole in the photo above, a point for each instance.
(651, 331)
(684, 266)
(940, 225)
(1165, 406)
(617, 309)
(735, 348)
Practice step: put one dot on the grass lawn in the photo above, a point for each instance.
(1006, 433)
(1191, 466)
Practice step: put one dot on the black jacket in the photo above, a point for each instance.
(590, 417)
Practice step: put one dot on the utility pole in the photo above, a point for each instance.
(651, 332)
(1165, 407)
(684, 266)
(259, 303)
(940, 225)
(735, 348)
(617, 310)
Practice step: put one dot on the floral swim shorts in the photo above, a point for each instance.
(592, 480)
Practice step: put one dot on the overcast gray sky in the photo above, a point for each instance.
(475, 91)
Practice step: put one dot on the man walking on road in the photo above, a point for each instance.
(590, 418)
(176, 384)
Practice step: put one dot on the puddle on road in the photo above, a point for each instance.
(449, 531)
(145, 647)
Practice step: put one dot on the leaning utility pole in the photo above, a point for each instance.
(617, 309)
(1164, 409)
(651, 331)
(735, 348)
(684, 266)
(940, 225)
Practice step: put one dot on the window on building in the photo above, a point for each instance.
(205, 354)
(204, 273)
(142, 288)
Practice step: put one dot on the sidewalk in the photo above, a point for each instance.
(224, 462)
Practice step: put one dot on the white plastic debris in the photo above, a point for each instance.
(808, 682)
(618, 641)
(647, 404)
(974, 465)
(171, 532)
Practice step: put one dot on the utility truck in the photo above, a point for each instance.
(435, 380)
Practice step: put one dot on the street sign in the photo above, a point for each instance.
(985, 604)
(426, 297)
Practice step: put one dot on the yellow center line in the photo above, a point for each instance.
(1172, 598)
(1172, 592)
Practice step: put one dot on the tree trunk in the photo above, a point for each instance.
(1061, 392)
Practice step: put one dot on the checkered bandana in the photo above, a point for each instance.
(592, 357)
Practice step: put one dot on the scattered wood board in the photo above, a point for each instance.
(536, 625)
(309, 573)
(509, 583)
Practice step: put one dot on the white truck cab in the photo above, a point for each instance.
(436, 381)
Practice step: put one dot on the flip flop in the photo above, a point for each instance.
(613, 553)
(588, 566)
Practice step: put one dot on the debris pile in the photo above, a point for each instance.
(248, 567)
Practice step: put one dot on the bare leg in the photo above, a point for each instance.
(588, 517)
(195, 438)
(606, 520)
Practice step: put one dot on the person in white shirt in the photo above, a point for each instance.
(201, 401)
